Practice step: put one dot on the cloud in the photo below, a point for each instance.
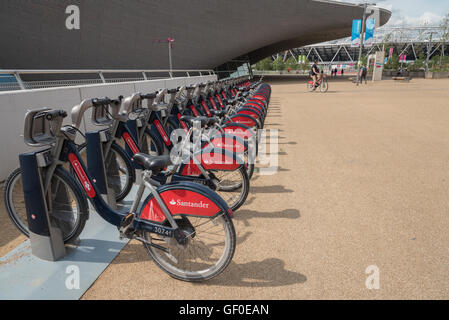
(429, 18)
(411, 13)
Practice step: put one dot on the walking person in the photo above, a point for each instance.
(363, 74)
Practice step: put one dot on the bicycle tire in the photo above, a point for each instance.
(157, 148)
(310, 87)
(324, 87)
(243, 184)
(218, 268)
(131, 174)
(70, 182)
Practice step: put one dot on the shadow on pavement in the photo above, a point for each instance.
(245, 215)
(270, 189)
(267, 273)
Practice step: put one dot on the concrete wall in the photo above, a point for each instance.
(14, 105)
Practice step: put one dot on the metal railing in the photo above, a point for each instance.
(17, 80)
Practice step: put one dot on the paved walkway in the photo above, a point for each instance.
(363, 180)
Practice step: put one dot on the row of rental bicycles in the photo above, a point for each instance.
(190, 151)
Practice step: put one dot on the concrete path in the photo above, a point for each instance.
(363, 181)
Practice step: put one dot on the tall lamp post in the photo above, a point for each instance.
(170, 42)
(362, 36)
(429, 49)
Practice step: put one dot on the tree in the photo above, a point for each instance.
(278, 64)
(364, 60)
(393, 63)
(304, 65)
(264, 65)
(291, 63)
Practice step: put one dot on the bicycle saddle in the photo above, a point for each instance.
(204, 120)
(155, 164)
(218, 113)
(231, 101)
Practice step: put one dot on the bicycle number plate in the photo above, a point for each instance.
(163, 231)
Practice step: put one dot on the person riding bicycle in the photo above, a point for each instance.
(315, 74)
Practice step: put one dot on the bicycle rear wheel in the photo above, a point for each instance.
(69, 208)
(208, 251)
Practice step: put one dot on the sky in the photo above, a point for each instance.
(413, 12)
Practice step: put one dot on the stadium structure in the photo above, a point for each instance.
(411, 41)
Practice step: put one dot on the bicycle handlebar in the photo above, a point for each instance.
(148, 96)
(54, 114)
(106, 101)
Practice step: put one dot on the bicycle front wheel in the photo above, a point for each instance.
(324, 86)
(233, 186)
(310, 87)
(68, 207)
(120, 172)
(209, 249)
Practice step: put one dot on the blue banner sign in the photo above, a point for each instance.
(369, 34)
(356, 31)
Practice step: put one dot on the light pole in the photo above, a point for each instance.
(362, 37)
(170, 42)
(429, 49)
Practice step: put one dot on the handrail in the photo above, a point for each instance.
(100, 72)
(62, 71)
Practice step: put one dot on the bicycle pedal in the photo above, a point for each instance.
(126, 230)
(127, 220)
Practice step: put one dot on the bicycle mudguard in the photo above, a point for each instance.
(212, 159)
(250, 112)
(259, 97)
(243, 119)
(239, 130)
(183, 199)
(227, 141)
(257, 104)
